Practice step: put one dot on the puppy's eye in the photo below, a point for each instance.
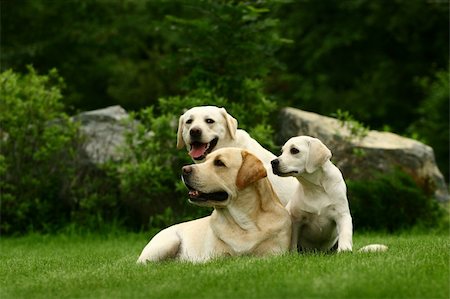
(189, 121)
(219, 163)
(294, 151)
(209, 121)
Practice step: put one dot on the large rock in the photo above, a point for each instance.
(358, 158)
(104, 130)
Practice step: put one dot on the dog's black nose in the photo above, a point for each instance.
(275, 163)
(186, 170)
(195, 132)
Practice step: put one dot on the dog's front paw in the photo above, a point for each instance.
(344, 248)
(141, 261)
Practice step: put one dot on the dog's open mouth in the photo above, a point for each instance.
(199, 150)
(198, 196)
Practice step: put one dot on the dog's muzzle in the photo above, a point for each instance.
(276, 169)
(199, 196)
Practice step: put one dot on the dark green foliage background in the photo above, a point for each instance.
(391, 202)
(385, 62)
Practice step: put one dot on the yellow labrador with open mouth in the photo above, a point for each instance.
(248, 218)
(205, 129)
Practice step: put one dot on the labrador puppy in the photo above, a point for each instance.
(205, 129)
(320, 212)
(248, 218)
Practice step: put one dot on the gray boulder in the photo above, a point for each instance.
(357, 157)
(104, 132)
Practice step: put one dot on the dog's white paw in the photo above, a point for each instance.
(141, 261)
(344, 250)
(344, 246)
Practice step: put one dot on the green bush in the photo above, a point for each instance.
(38, 142)
(432, 126)
(391, 201)
(224, 45)
(46, 182)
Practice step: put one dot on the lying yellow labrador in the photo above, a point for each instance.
(248, 218)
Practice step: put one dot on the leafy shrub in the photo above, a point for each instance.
(391, 201)
(37, 142)
(432, 126)
(46, 183)
(224, 45)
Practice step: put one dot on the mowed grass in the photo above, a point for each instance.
(62, 266)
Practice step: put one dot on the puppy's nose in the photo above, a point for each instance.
(275, 163)
(195, 132)
(186, 170)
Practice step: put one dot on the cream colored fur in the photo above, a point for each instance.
(320, 211)
(249, 221)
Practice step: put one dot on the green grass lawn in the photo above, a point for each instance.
(416, 266)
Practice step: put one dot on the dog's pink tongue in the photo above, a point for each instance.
(198, 149)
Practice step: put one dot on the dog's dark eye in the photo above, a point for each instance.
(189, 121)
(209, 121)
(294, 151)
(218, 163)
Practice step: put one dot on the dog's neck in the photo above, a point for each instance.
(245, 212)
(245, 141)
(317, 177)
(244, 226)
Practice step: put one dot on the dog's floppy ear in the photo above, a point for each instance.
(180, 141)
(318, 154)
(252, 170)
(231, 122)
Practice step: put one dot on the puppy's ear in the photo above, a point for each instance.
(318, 154)
(231, 122)
(180, 141)
(252, 170)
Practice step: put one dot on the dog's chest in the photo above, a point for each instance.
(236, 242)
(317, 203)
(317, 224)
